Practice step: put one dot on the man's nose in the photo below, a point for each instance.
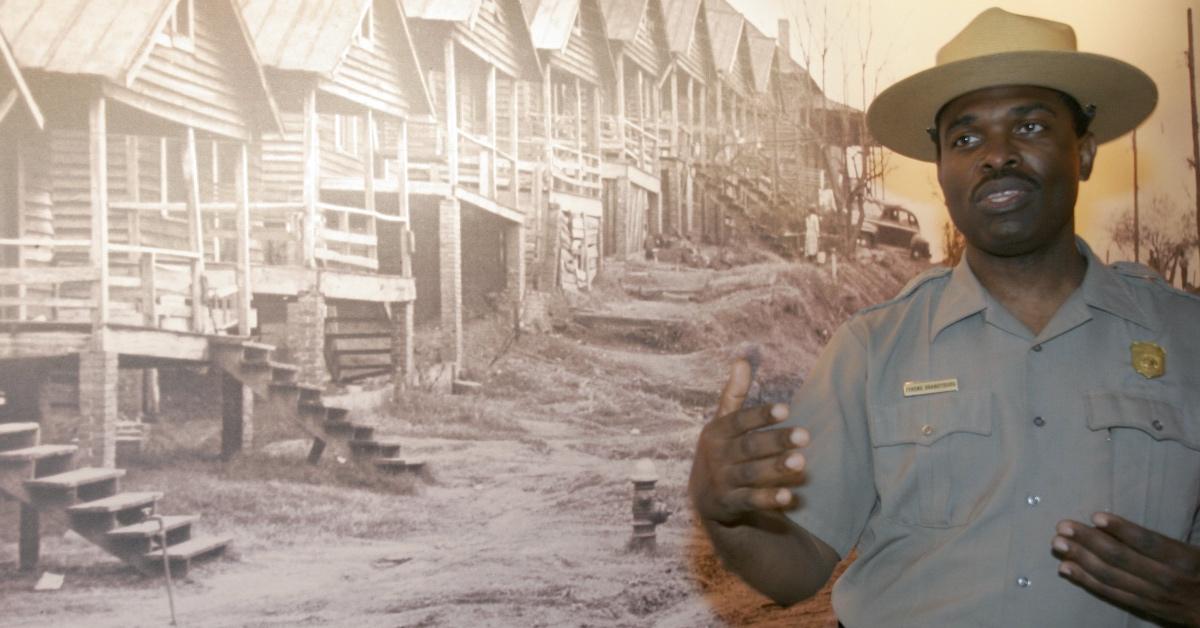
(1000, 154)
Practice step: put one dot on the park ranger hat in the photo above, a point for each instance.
(1000, 48)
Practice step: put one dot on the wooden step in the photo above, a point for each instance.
(37, 452)
(149, 527)
(310, 392)
(374, 448)
(116, 503)
(189, 550)
(363, 432)
(75, 478)
(397, 465)
(18, 435)
(338, 427)
(336, 414)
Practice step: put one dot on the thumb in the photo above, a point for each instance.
(733, 395)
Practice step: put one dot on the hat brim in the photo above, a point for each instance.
(1123, 95)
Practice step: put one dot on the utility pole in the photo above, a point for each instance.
(1137, 232)
(1191, 58)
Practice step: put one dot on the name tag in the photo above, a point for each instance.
(916, 389)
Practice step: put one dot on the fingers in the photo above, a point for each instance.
(733, 395)
(747, 499)
(1091, 557)
(1130, 565)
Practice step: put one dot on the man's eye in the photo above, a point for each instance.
(963, 141)
(1031, 127)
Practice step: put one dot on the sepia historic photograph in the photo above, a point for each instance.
(676, 313)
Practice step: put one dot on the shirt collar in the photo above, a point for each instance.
(1101, 289)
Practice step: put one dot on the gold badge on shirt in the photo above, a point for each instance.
(1148, 359)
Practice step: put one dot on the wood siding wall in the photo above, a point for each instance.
(210, 87)
(645, 49)
(371, 73)
(283, 161)
(584, 54)
(494, 37)
(699, 50)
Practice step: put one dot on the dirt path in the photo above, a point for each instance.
(524, 516)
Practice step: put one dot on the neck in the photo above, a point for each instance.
(1031, 286)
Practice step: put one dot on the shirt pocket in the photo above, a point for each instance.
(934, 457)
(1155, 459)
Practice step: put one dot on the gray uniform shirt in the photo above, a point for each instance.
(951, 498)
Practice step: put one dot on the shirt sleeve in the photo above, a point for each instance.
(838, 492)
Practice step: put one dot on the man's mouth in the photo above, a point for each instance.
(1003, 193)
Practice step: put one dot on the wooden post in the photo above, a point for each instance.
(451, 114)
(30, 538)
(691, 113)
(489, 114)
(514, 129)
(243, 241)
(191, 179)
(641, 87)
(133, 189)
(1137, 232)
(620, 96)
(98, 148)
(704, 122)
(548, 123)
(406, 252)
(1191, 64)
(21, 198)
(674, 114)
(232, 406)
(312, 178)
(369, 181)
(579, 129)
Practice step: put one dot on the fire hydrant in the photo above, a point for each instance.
(648, 512)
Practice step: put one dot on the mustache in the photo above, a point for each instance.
(997, 175)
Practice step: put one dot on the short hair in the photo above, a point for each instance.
(1081, 118)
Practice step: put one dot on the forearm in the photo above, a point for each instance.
(774, 555)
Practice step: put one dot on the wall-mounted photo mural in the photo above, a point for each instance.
(473, 312)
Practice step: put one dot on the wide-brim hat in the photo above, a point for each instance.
(1000, 48)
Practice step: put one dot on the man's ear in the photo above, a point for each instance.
(1087, 155)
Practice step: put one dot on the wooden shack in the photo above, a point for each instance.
(472, 190)
(115, 214)
(334, 282)
(693, 80)
(634, 133)
(570, 38)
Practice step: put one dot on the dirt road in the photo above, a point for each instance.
(523, 515)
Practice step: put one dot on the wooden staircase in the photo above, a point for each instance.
(89, 500)
(275, 384)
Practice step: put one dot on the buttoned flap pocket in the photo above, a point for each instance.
(1154, 449)
(1158, 418)
(926, 420)
(933, 457)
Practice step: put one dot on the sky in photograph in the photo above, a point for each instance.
(904, 37)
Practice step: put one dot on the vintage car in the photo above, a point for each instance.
(895, 226)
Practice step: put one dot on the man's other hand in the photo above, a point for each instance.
(739, 468)
(1138, 569)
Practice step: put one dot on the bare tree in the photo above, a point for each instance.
(1168, 235)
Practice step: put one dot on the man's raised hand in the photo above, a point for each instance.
(739, 468)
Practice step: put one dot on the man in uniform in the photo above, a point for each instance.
(1014, 442)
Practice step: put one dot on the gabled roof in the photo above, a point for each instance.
(442, 10)
(8, 65)
(725, 26)
(303, 35)
(465, 11)
(681, 23)
(313, 36)
(94, 37)
(551, 22)
(105, 38)
(762, 57)
(623, 17)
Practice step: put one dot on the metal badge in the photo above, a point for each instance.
(1148, 359)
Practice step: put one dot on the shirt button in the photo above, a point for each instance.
(1023, 582)
(1033, 500)
(927, 430)
(1037, 347)
(1157, 425)
(1039, 421)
